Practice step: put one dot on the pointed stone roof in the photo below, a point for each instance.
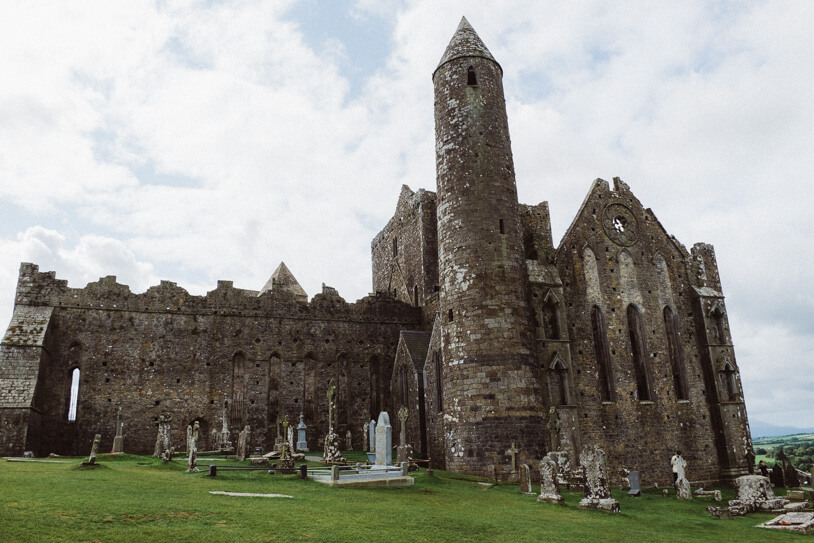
(417, 344)
(283, 280)
(465, 43)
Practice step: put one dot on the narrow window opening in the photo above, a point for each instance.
(439, 389)
(449, 316)
(395, 247)
(551, 320)
(640, 363)
(502, 227)
(676, 354)
(602, 351)
(415, 294)
(74, 401)
(471, 78)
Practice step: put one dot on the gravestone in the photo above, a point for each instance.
(512, 451)
(683, 490)
(635, 484)
(365, 435)
(159, 439)
(286, 459)
(290, 437)
(404, 450)
(372, 434)
(384, 440)
(549, 488)
(278, 439)
(93, 450)
(302, 443)
(554, 429)
(192, 460)
(777, 476)
(332, 449)
(525, 479)
(792, 480)
(118, 441)
(597, 485)
(244, 442)
(225, 434)
(348, 441)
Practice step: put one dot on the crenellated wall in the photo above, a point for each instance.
(168, 352)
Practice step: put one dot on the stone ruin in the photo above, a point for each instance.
(753, 494)
(597, 484)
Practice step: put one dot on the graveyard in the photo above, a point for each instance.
(130, 497)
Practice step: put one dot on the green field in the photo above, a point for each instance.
(798, 447)
(135, 498)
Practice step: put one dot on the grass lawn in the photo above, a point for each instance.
(136, 498)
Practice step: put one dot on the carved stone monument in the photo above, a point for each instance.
(348, 441)
(384, 440)
(372, 435)
(333, 447)
(597, 484)
(525, 479)
(635, 484)
(93, 450)
(302, 442)
(225, 434)
(513, 453)
(549, 488)
(683, 490)
(118, 441)
(404, 452)
(244, 442)
(286, 459)
(365, 436)
(192, 460)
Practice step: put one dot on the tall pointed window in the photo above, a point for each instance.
(676, 353)
(558, 382)
(550, 316)
(602, 352)
(74, 399)
(637, 345)
(718, 332)
(729, 385)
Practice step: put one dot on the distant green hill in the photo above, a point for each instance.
(798, 447)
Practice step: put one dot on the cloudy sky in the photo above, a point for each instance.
(197, 141)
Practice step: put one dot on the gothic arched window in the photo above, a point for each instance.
(637, 345)
(602, 352)
(238, 389)
(676, 353)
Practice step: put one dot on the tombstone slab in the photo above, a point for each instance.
(549, 487)
(597, 485)
(384, 440)
(118, 441)
(372, 435)
(93, 451)
(683, 490)
(635, 484)
(525, 479)
(302, 442)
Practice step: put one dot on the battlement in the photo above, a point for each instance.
(37, 288)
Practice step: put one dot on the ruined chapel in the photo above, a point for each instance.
(494, 338)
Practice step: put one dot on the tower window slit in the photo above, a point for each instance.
(471, 78)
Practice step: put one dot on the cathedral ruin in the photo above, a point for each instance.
(491, 335)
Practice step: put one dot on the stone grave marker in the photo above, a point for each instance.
(244, 442)
(597, 485)
(549, 487)
(192, 459)
(635, 484)
(118, 441)
(365, 435)
(384, 440)
(404, 451)
(302, 442)
(512, 451)
(348, 441)
(225, 434)
(525, 479)
(159, 439)
(683, 490)
(93, 451)
(372, 434)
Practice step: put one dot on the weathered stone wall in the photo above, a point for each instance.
(616, 254)
(405, 252)
(166, 352)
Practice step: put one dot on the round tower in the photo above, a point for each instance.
(491, 391)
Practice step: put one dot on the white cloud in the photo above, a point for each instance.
(196, 142)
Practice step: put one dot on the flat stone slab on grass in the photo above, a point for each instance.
(364, 480)
(248, 494)
(802, 523)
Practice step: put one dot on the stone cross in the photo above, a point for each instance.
(331, 404)
(159, 440)
(683, 491)
(192, 434)
(404, 414)
(225, 437)
(549, 488)
(284, 450)
(366, 435)
(555, 429)
(372, 434)
(513, 451)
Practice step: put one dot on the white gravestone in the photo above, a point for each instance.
(384, 440)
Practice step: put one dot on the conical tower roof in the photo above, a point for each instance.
(466, 43)
(283, 280)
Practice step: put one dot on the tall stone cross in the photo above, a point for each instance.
(331, 404)
(513, 451)
(284, 450)
(404, 414)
